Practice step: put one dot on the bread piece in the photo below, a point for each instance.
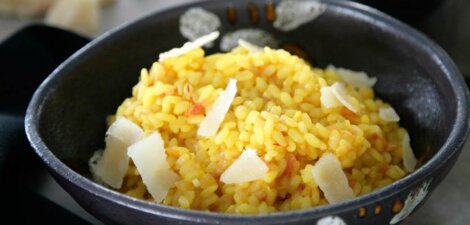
(106, 2)
(82, 16)
(25, 8)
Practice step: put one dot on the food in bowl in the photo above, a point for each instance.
(251, 131)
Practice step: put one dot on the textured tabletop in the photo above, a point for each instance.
(449, 203)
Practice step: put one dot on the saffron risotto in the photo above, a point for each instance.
(278, 113)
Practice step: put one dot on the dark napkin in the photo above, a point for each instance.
(26, 59)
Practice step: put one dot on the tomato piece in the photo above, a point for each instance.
(352, 183)
(290, 162)
(197, 109)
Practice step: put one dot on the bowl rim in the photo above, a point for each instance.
(452, 145)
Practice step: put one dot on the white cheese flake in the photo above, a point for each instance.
(249, 46)
(409, 159)
(331, 179)
(216, 114)
(328, 98)
(188, 46)
(388, 114)
(125, 130)
(354, 78)
(247, 167)
(149, 157)
(343, 96)
(112, 166)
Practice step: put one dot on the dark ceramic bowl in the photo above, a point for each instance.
(65, 119)
(407, 10)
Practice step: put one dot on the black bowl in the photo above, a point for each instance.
(65, 119)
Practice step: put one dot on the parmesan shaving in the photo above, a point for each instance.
(248, 167)
(188, 46)
(216, 114)
(331, 179)
(111, 167)
(149, 157)
(388, 114)
(343, 96)
(409, 159)
(125, 130)
(249, 46)
(328, 98)
(354, 78)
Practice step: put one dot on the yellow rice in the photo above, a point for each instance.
(276, 111)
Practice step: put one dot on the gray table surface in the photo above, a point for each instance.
(449, 203)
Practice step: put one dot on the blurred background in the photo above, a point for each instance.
(33, 194)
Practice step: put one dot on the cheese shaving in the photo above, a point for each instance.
(331, 179)
(216, 114)
(248, 167)
(354, 78)
(388, 114)
(409, 159)
(125, 130)
(149, 157)
(249, 46)
(343, 96)
(328, 98)
(188, 46)
(111, 167)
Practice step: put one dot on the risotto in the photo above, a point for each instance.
(254, 130)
